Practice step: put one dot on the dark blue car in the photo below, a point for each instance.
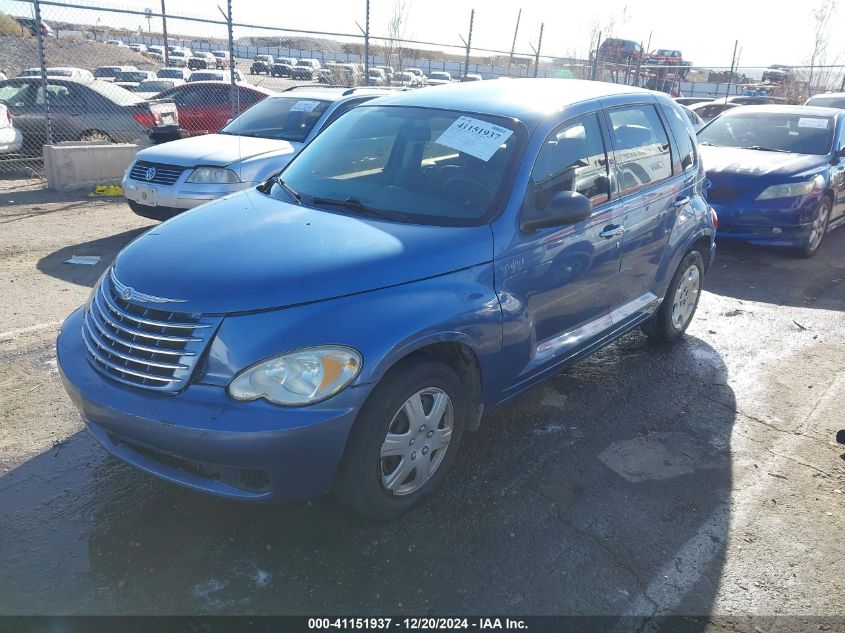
(427, 257)
(777, 174)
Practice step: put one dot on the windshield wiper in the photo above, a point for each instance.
(293, 193)
(353, 204)
(767, 149)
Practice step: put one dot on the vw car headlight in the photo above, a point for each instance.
(213, 176)
(298, 378)
(792, 190)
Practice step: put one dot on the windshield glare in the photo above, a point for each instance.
(801, 134)
(413, 164)
(282, 118)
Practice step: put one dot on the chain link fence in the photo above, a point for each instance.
(92, 72)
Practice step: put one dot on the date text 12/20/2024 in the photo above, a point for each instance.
(416, 624)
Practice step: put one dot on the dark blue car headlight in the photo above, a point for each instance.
(298, 378)
(793, 189)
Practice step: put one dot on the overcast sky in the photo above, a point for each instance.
(769, 32)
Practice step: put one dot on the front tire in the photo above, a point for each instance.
(671, 321)
(817, 231)
(404, 440)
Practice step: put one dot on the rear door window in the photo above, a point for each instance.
(683, 137)
(643, 152)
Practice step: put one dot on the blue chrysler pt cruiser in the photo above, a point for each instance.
(427, 257)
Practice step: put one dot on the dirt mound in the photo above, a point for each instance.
(18, 53)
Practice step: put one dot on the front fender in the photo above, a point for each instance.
(383, 325)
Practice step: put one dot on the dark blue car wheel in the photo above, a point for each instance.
(817, 229)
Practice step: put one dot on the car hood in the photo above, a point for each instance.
(216, 149)
(732, 161)
(248, 251)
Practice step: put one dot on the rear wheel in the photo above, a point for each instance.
(817, 230)
(95, 135)
(670, 322)
(404, 440)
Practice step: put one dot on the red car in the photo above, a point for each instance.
(204, 107)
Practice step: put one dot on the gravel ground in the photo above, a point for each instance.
(18, 53)
(700, 479)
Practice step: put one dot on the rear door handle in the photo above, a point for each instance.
(612, 230)
(681, 202)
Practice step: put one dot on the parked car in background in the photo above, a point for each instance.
(439, 78)
(404, 80)
(155, 49)
(777, 174)
(97, 110)
(129, 79)
(688, 101)
(246, 152)
(696, 121)
(261, 64)
(221, 59)
(153, 87)
(710, 110)
(66, 72)
(204, 107)
(388, 73)
(620, 51)
(422, 80)
(202, 60)
(671, 57)
(515, 239)
(828, 100)
(471, 77)
(753, 100)
(777, 73)
(117, 43)
(282, 67)
(376, 77)
(170, 72)
(215, 75)
(138, 48)
(33, 26)
(11, 139)
(307, 69)
(178, 59)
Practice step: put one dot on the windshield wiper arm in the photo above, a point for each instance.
(353, 204)
(293, 193)
(767, 149)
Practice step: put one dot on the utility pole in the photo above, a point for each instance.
(43, 63)
(468, 42)
(596, 58)
(164, 33)
(233, 93)
(513, 46)
(731, 74)
(367, 45)
(537, 50)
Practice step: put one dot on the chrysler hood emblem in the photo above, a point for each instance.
(130, 294)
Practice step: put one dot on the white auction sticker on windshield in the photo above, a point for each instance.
(474, 137)
(304, 106)
(820, 124)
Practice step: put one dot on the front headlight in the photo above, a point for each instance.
(298, 378)
(792, 190)
(213, 176)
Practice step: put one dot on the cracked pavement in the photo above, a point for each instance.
(701, 479)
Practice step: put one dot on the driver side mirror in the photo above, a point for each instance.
(565, 207)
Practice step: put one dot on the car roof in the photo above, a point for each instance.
(835, 95)
(225, 84)
(527, 99)
(787, 109)
(330, 93)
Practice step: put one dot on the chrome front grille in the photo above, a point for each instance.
(152, 348)
(159, 173)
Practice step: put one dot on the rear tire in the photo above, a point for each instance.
(395, 455)
(671, 321)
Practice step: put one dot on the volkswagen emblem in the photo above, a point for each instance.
(151, 173)
(126, 292)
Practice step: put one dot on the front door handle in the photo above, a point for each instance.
(681, 202)
(612, 230)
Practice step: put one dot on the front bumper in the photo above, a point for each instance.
(202, 439)
(786, 236)
(786, 222)
(172, 199)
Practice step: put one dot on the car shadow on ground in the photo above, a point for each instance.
(606, 490)
(777, 276)
(105, 248)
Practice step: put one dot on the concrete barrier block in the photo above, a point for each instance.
(84, 164)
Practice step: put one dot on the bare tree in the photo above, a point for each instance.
(823, 18)
(396, 26)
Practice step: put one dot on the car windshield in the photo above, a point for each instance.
(827, 102)
(439, 76)
(130, 76)
(153, 86)
(206, 76)
(785, 132)
(407, 164)
(173, 73)
(284, 118)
